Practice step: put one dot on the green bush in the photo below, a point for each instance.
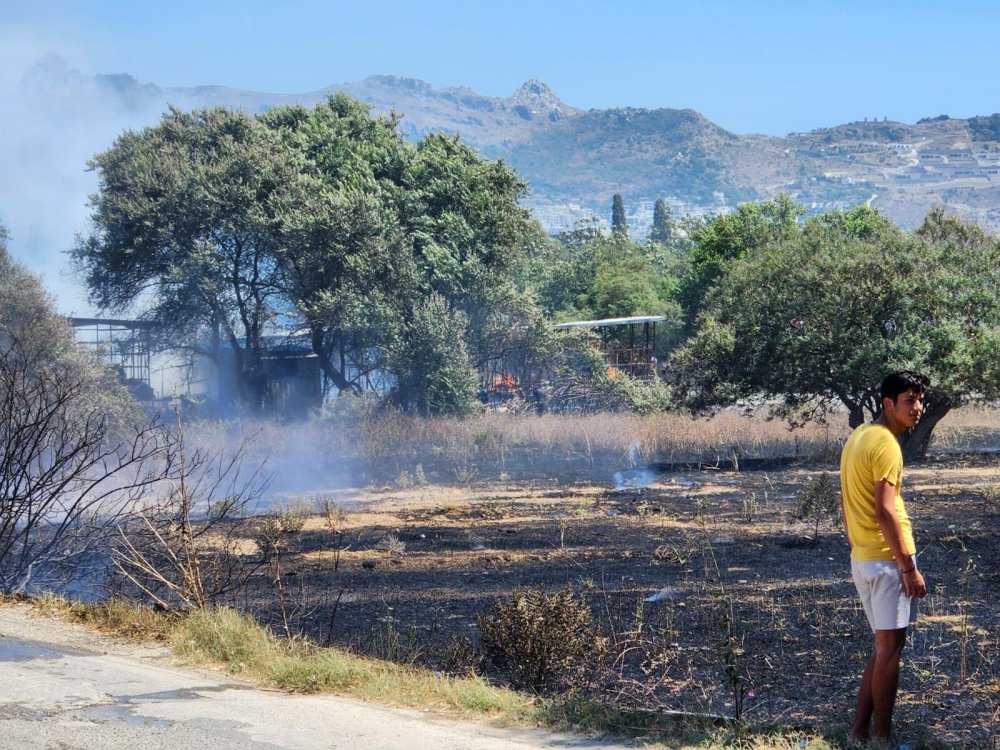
(293, 515)
(818, 501)
(431, 361)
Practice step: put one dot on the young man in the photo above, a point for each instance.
(883, 560)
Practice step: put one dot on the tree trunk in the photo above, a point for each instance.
(326, 364)
(914, 442)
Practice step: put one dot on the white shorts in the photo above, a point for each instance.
(883, 595)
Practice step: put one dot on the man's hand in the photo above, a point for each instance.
(913, 583)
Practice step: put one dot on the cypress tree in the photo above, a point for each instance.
(663, 229)
(619, 225)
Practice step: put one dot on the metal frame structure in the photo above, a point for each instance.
(633, 351)
(124, 344)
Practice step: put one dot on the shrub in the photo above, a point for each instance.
(818, 501)
(990, 498)
(391, 545)
(538, 640)
(431, 361)
(293, 515)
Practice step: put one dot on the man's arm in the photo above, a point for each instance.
(892, 530)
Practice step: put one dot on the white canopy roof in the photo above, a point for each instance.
(610, 322)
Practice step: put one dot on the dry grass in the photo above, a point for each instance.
(224, 638)
(390, 449)
(383, 434)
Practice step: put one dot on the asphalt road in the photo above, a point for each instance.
(67, 688)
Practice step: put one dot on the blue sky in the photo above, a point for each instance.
(771, 67)
(751, 67)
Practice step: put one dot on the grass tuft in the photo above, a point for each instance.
(224, 637)
(113, 616)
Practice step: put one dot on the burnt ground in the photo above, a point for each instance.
(407, 570)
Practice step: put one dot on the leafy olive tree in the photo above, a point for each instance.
(346, 268)
(220, 225)
(817, 319)
(732, 236)
(390, 223)
(186, 228)
(431, 361)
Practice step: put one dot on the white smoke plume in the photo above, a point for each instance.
(55, 119)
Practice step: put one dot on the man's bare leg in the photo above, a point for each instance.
(861, 730)
(885, 680)
(879, 683)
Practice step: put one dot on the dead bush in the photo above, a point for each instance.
(540, 641)
(187, 548)
(459, 656)
(990, 498)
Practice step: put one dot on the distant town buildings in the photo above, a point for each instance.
(556, 218)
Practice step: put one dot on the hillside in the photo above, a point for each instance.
(575, 160)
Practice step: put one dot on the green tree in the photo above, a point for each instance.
(623, 289)
(732, 236)
(619, 224)
(819, 318)
(611, 277)
(186, 230)
(665, 228)
(344, 265)
(30, 327)
(461, 214)
(431, 362)
(221, 226)
(566, 270)
(386, 224)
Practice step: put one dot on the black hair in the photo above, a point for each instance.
(903, 381)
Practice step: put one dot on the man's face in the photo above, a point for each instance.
(906, 409)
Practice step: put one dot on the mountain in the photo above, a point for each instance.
(575, 160)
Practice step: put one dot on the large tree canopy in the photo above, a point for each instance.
(217, 223)
(187, 226)
(729, 237)
(819, 317)
(391, 223)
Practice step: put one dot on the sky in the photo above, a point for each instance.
(751, 67)
(771, 67)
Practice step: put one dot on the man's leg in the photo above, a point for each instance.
(861, 730)
(885, 679)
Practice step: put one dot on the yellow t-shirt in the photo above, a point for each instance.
(871, 454)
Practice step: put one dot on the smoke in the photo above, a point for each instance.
(55, 119)
(313, 460)
(633, 479)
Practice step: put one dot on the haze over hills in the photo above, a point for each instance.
(575, 160)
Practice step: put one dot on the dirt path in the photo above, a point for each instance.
(65, 687)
